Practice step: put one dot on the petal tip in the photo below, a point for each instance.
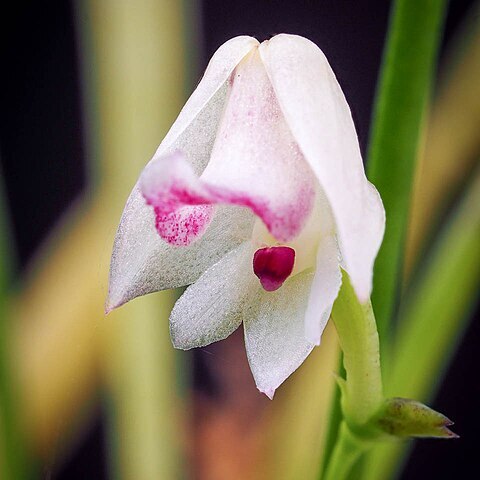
(313, 339)
(111, 305)
(116, 297)
(269, 392)
(181, 340)
(177, 342)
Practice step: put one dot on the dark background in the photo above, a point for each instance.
(43, 157)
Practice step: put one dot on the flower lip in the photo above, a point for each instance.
(273, 265)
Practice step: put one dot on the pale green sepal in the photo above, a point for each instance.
(402, 417)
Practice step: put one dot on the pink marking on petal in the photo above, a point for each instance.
(183, 203)
(184, 225)
(284, 224)
(182, 208)
(273, 265)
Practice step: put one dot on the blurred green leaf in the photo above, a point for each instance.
(432, 315)
(404, 86)
(452, 144)
(13, 457)
(134, 70)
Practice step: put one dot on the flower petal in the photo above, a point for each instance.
(275, 332)
(211, 91)
(143, 263)
(255, 160)
(318, 115)
(211, 308)
(325, 287)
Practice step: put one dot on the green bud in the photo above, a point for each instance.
(402, 417)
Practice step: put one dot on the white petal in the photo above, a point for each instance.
(319, 117)
(275, 332)
(255, 160)
(325, 287)
(211, 308)
(212, 88)
(143, 263)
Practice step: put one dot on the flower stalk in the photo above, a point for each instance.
(362, 391)
(358, 336)
(346, 452)
(369, 417)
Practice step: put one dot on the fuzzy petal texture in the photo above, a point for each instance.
(319, 117)
(211, 308)
(182, 203)
(325, 287)
(275, 332)
(141, 261)
(218, 71)
(256, 161)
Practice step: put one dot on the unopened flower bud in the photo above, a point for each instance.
(402, 417)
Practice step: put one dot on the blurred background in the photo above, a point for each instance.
(88, 91)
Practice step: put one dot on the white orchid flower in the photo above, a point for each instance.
(255, 198)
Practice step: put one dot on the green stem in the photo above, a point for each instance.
(346, 453)
(334, 419)
(357, 332)
(404, 87)
(362, 393)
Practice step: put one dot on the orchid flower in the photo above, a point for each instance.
(256, 198)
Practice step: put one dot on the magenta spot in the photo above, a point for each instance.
(184, 225)
(273, 265)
